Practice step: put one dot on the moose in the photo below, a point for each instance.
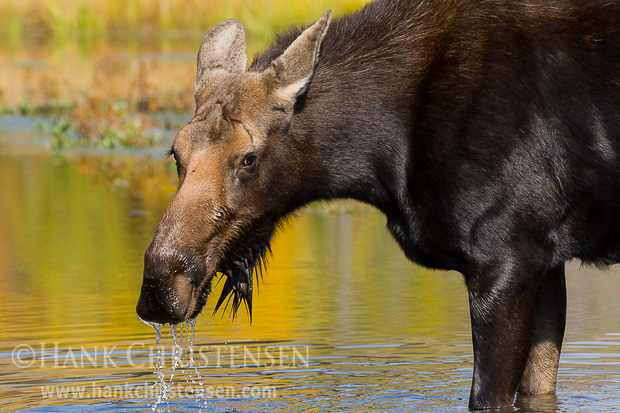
(487, 133)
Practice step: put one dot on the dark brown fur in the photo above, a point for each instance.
(487, 132)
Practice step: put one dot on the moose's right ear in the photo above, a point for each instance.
(223, 50)
(294, 69)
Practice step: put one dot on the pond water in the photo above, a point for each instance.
(342, 321)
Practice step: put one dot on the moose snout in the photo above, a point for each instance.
(156, 305)
(167, 293)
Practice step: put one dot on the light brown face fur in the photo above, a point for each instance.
(228, 133)
(239, 173)
(228, 162)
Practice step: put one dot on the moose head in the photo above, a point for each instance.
(240, 172)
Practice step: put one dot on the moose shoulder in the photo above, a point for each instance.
(488, 133)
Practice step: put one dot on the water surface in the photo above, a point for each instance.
(349, 323)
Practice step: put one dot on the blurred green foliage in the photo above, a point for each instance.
(61, 19)
(120, 87)
(102, 123)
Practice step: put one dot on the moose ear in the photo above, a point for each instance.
(295, 67)
(223, 50)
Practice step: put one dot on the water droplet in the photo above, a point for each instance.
(182, 355)
(160, 377)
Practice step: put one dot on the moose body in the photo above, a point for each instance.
(487, 132)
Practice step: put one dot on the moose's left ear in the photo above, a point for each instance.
(223, 50)
(293, 70)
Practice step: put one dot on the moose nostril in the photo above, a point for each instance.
(151, 311)
(146, 312)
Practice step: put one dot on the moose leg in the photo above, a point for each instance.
(541, 370)
(502, 305)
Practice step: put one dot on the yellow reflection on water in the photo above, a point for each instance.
(73, 244)
(72, 234)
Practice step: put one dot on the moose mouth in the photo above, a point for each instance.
(175, 290)
(238, 287)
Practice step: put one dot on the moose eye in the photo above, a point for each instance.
(177, 164)
(248, 162)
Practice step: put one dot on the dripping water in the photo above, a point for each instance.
(182, 357)
(196, 380)
(160, 380)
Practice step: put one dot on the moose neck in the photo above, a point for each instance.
(358, 113)
(355, 123)
(359, 138)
